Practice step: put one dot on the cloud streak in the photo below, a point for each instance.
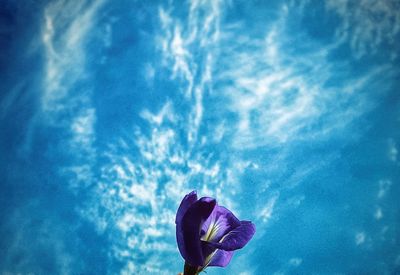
(245, 101)
(276, 97)
(368, 25)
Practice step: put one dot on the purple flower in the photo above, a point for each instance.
(207, 234)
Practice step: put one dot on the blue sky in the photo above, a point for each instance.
(286, 111)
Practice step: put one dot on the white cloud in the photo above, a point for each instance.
(141, 192)
(360, 238)
(165, 114)
(279, 96)
(384, 186)
(181, 42)
(378, 213)
(65, 32)
(65, 29)
(368, 25)
(392, 151)
(266, 212)
(11, 99)
(82, 126)
(149, 74)
(295, 261)
(276, 96)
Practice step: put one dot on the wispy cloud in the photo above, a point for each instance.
(384, 186)
(276, 97)
(140, 191)
(187, 48)
(64, 105)
(65, 30)
(266, 212)
(378, 213)
(258, 93)
(392, 150)
(360, 238)
(295, 261)
(279, 96)
(368, 25)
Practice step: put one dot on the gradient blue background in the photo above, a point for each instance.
(287, 112)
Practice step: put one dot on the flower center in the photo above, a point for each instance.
(211, 231)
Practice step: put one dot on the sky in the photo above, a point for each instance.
(287, 112)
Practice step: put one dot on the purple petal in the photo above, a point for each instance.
(215, 257)
(237, 238)
(192, 220)
(187, 201)
(220, 222)
(221, 258)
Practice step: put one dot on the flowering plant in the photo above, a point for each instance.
(208, 234)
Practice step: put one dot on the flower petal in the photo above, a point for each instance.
(192, 220)
(221, 258)
(187, 201)
(220, 222)
(215, 257)
(237, 238)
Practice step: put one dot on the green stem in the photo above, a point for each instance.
(190, 270)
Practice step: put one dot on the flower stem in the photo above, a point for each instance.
(190, 270)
